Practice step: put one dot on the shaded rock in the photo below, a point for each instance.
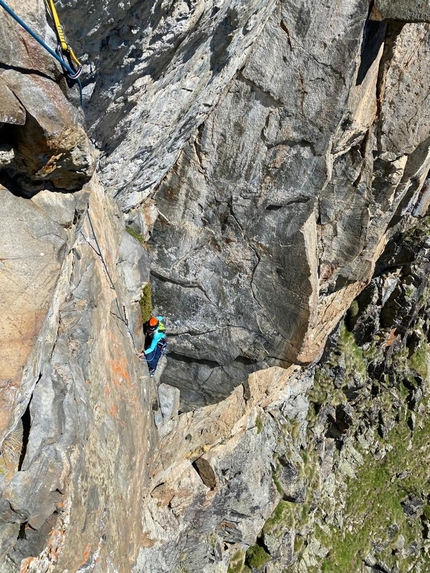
(44, 129)
(50, 146)
(412, 506)
(242, 273)
(289, 479)
(409, 10)
(160, 70)
(206, 473)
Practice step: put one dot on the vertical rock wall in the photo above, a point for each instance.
(282, 144)
(87, 426)
(277, 209)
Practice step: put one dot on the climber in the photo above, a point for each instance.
(155, 342)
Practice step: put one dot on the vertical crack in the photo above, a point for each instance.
(26, 427)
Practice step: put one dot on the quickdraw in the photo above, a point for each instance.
(63, 48)
(71, 72)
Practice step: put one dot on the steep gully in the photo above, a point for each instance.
(82, 385)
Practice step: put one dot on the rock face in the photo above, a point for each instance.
(276, 211)
(414, 11)
(161, 67)
(43, 142)
(368, 418)
(284, 147)
(86, 404)
(29, 274)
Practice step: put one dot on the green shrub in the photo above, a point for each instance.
(256, 557)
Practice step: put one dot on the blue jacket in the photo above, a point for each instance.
(158, 335)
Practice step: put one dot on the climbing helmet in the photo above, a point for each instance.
(153, 322)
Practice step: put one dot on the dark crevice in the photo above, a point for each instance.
(284, 27)
(245, 360)
(21, 532)
(373, 38)
(303, 143)
(26, 427)
(205, 472)
(192, 332)
(177, 282)
(26, 71)
(192, 360)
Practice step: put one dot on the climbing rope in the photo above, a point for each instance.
(98, 251)
(71, 72)
(112, 284)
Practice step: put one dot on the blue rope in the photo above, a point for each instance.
(64, 64)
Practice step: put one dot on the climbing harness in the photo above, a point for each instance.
(71, 72)
(63, 49)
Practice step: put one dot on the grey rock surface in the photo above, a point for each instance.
(409, 11)
(213, 491)
(169, 401)
(156, 71)
(45, 132)
(88, 404)
(32, 247)
(267, 212)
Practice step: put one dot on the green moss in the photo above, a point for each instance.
(352, 314)
(426, 512)
(418, 361)
(373, 504)
(259, 424)
(277, 484)
(146, 297)
(135, 235)
(353, 353)
(213, 540)
(145, 303)
(284, 517)
(256, 557)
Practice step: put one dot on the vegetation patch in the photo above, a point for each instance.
(237, 564)
(419, 360)
(277, 483)
(284, 517)
(135, 235)
(145, 303)
(257, 557)
(259, 424)
(375, 518)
